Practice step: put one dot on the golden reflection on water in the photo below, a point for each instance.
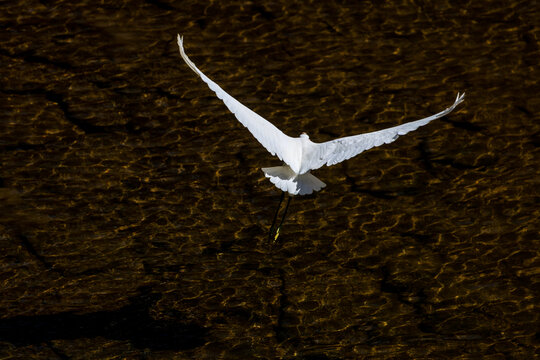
(134, 215)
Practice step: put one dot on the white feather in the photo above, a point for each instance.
(276, 142)
(295, 184)
(336, 151)
(301, 154)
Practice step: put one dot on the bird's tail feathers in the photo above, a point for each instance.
(287, 180)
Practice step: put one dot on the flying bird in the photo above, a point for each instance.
(299, 154)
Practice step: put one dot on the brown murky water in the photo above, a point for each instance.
(134, 215)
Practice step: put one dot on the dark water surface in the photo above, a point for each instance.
(134, 214)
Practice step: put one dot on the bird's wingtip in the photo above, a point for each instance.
(180, 40)
(459, 98)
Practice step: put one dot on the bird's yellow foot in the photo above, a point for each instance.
(277, 234)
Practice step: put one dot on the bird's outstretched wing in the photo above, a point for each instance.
(335, 151)
(275, 141)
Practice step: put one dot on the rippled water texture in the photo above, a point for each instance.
(134, 214)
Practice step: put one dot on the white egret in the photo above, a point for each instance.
(300, 155)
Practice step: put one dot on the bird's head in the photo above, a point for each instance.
(304, 135)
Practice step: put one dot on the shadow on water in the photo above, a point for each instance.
(132, 323)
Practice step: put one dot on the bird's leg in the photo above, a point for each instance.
(283, 218)
(271, 233)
